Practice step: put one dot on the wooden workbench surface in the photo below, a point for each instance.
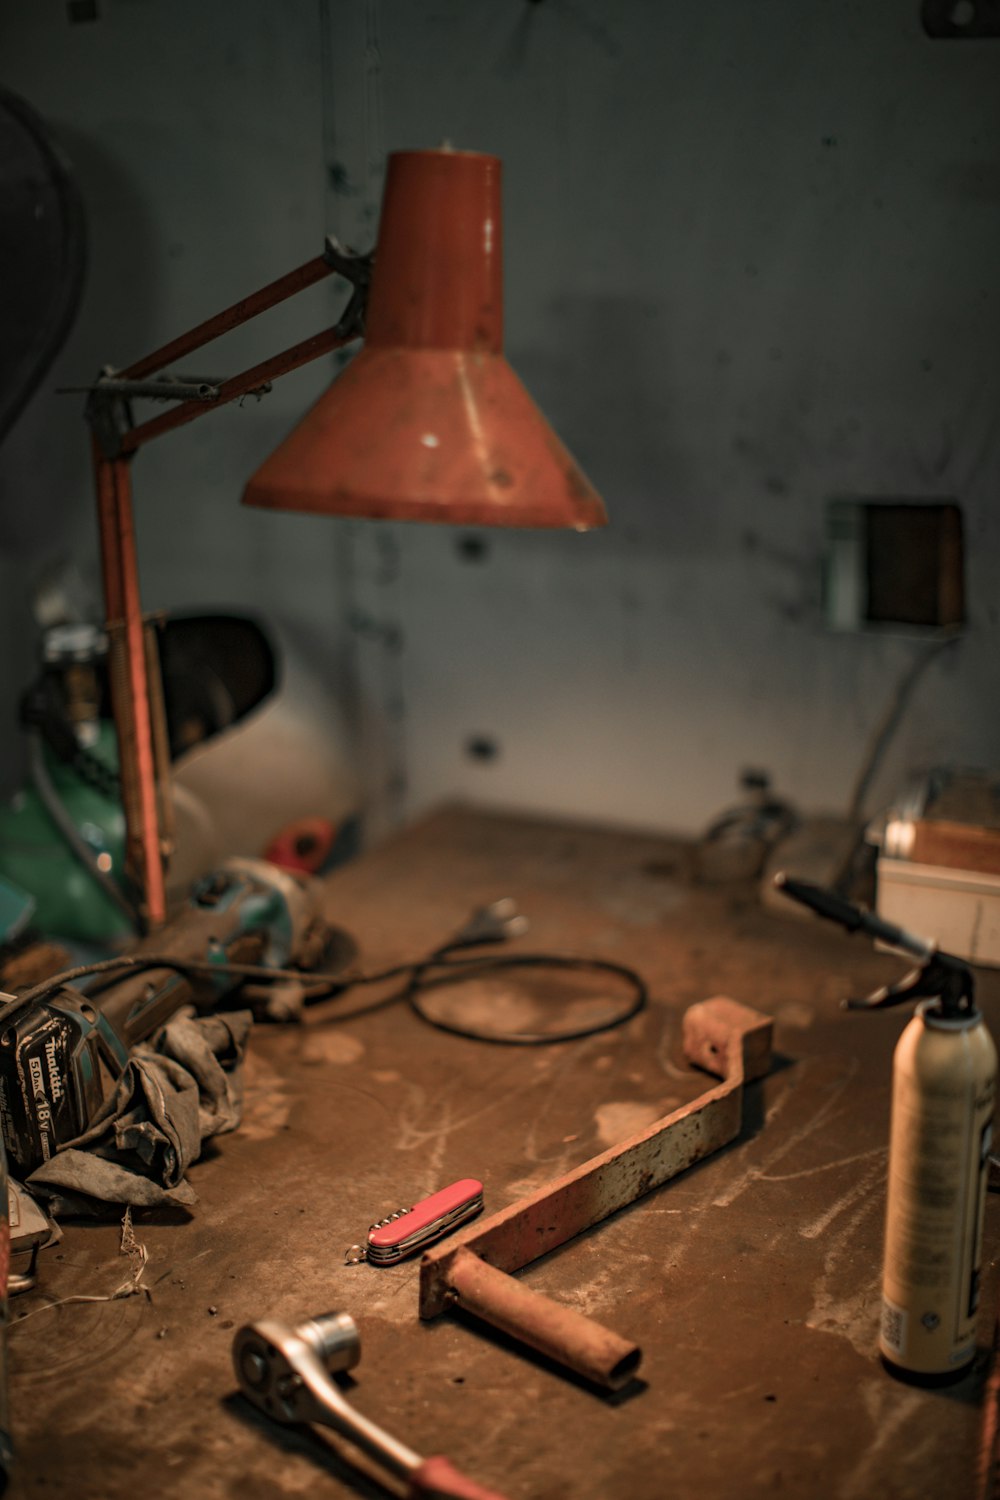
(751, 1282)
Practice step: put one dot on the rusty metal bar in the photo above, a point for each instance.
(160, 735)
(240, 312)
(110, 541)
(130, 683)
(238, 385)
(723, 1037)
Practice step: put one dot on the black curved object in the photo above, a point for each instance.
(42, 250)
(216, 669)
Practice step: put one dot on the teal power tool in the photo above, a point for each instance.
(62, 835)
(62, 1050)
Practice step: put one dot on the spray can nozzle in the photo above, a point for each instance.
(938, 975)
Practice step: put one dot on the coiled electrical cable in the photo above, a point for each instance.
(445, 965)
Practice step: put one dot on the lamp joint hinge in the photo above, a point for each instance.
(357, 269)
(108, 414)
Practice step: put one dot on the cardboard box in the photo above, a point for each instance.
(958, 909)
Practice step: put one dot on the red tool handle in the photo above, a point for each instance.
(438, 1479)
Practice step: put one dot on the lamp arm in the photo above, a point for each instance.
(256, 381)
(107, 411)
(335, 260)
(136, 696)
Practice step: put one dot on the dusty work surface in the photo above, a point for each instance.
(751, 1281)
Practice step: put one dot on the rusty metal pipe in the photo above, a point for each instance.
(561, 1333)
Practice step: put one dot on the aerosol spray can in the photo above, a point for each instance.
(940, 1138)
(943, 1092)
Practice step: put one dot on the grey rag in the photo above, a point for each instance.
(181, 1087)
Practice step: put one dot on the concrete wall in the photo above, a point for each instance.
(197, 135)
(751, 264)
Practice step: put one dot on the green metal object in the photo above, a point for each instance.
(34, 855)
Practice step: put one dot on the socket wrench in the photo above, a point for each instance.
(286, 1373)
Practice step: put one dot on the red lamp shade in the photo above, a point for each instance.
(429, 422)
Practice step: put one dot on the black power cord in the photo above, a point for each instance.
(444, 970)
(492, 924)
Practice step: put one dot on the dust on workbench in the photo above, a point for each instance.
(751, 1280)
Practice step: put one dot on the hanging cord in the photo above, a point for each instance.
(890, 721)
(492, 924)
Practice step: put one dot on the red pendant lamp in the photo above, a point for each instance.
(429, 422)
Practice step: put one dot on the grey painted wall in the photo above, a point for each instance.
(751, 264)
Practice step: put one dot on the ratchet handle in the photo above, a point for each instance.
(438, 1479)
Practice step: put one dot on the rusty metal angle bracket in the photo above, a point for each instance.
(723, 1037)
